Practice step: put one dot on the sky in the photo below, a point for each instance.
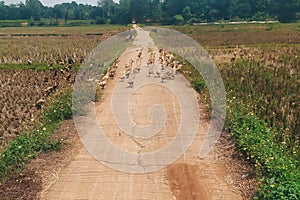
(53, 2)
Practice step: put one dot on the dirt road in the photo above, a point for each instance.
(187, 178)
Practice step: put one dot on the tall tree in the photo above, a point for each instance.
(156, 10)
(174, 7)
(139, 10)
(36, 8)
(4, 11)
(163, 11)
(124, 15)
(287, 9)
(240, 9)
(107, 6)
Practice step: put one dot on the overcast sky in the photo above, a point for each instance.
(53, 2)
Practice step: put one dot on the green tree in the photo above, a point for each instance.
(219, 9)
(155, 10)
(187, 13)
(240, 9)
(139, 10)
(123, 12)
(286, 9)
(174, 7)
(178, 19)
(4, 11)
(213, 15)
(36, 9)
(107, 6)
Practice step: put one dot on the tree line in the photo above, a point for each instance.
(156, 11)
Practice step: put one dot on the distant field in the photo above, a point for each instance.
(64, 30)
(243, 34)
(292, 27)
(51, 44)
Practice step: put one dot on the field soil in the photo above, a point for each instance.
(78, 175)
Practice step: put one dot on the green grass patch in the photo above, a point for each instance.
(279, 173)
(28, 145)
(36, 66)
(198, 85)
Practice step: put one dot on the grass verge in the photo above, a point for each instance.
(27, 146)
(278, 172)
(37, 66)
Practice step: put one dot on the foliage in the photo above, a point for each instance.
(144, 11)
(274, 98)
(263, 117)
(198, 85)
(40, 67)
(178, 19)
(279, 172)
(60, 109)
(27, 146)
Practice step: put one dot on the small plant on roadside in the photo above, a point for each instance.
(198, 85)
(60, 109)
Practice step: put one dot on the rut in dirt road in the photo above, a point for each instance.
(148, 130)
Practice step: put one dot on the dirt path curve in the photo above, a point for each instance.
(187, 178)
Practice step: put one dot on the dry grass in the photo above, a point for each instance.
(46, 45)
(23, 95)
(266, 81)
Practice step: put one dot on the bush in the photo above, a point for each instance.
(60, 109)
(178, 19)
(100, 20)
(10, 23)
(260, 16)
(198, 85)
(278, 171)
(54, 23)
(41, 23)
(31, 23)
(194, 20)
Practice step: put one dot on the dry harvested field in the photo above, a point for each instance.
(267, 54)
(23, 96)
(25, 75)
(249, 35)
(46, 45)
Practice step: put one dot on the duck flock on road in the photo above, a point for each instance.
(165, 67)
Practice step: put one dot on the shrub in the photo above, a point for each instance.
(178, 19)
(279, 172)
(41, 23)
(60, 109)
(198, 85)
(100, 20)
